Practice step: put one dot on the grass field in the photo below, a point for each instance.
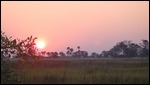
(85, 71)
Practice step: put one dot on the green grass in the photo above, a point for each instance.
(86, 71)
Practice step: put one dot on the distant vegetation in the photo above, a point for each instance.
(120, 50)
(26, 52)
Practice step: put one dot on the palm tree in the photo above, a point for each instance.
(71, 51)
(68, 48)
(68, 51)
(78, 48)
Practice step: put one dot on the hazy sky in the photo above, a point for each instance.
(93, 25)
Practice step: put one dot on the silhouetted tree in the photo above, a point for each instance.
(68, 51)
(144, 52)
(84, 53)
(133, 50)
(80, 54)
(49, 54)
(8, 47)
(95, 55)
(54, 54)
(71, 51)
(76, 54)
(26, 49)
(43, 53)
(104, 54)
(62, 54)
(78, 48)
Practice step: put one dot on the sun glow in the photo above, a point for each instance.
(40, 44)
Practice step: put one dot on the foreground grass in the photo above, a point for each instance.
(86, 71)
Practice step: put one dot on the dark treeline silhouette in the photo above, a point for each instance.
(128, 49)
(122, 49)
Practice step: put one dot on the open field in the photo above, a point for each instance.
(85, 71)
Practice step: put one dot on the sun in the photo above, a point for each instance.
(40, 44)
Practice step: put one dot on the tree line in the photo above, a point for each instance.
(122, 49)
(128, 49)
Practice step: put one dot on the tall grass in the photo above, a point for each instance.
(76, 71)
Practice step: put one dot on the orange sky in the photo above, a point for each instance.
(93, 25)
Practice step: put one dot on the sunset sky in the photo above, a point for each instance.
(93, 25)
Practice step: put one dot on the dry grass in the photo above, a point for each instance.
(86, 71)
